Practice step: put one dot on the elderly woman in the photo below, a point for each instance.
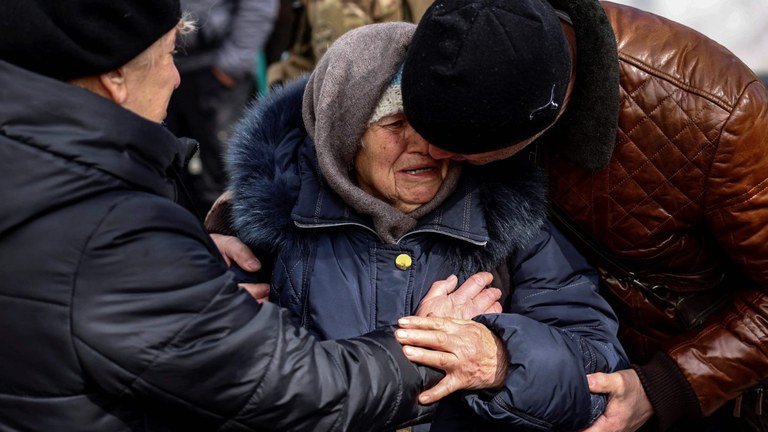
(332, 182)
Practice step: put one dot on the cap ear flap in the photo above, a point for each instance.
(588, 126)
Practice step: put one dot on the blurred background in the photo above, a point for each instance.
(739, 25)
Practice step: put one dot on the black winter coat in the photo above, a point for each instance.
(116, 311)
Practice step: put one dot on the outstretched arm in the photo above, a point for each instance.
(180, 334)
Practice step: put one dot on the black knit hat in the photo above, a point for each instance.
(481, 75)
(68, 39)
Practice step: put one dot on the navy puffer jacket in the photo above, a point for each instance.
(339, 279)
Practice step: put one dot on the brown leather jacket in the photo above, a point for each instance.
(678, 220)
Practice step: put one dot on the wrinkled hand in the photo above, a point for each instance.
(235, 251)
(470, 300)
(470, 354)
(628, 406)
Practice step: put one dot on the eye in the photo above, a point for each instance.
(395, 121)
(394, 124)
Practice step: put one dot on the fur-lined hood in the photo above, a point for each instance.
(277, 186)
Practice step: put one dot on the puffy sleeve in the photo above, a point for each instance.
(557, 329)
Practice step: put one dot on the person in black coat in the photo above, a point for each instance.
(117, 311)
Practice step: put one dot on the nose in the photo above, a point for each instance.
(176, 77)
(438, 153)
(416, 143)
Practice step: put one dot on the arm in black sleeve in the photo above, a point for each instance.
(157, 317)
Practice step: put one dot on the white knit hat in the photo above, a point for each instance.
(391, 101)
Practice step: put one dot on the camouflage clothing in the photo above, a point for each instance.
(320, 22)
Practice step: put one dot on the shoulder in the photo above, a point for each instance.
(654, 48)
(143, 236)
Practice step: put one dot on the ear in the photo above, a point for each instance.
(114, 84)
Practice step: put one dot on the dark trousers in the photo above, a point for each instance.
(204, 109)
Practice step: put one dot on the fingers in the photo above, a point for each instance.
(441, 288)
(436, 359)
(495, 308)
(472, 287)
(432, 339)
(604, 383)
(628, 405)
(427, 323)
(259, 291)
(234, 250)
(486, 299)
(596, 383)
(441, 334)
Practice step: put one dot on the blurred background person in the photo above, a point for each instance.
(315, 24)
(217, 66)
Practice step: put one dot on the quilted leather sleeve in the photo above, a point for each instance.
(688, 186)
(732, 349)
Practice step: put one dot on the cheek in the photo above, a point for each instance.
(382, 173)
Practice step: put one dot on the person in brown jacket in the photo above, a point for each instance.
(671, 205)
(658, 165)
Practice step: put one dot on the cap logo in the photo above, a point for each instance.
(547, 105)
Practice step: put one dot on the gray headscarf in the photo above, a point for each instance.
(339, 99)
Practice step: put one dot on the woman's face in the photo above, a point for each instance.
(151, 78)
(394, 165)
